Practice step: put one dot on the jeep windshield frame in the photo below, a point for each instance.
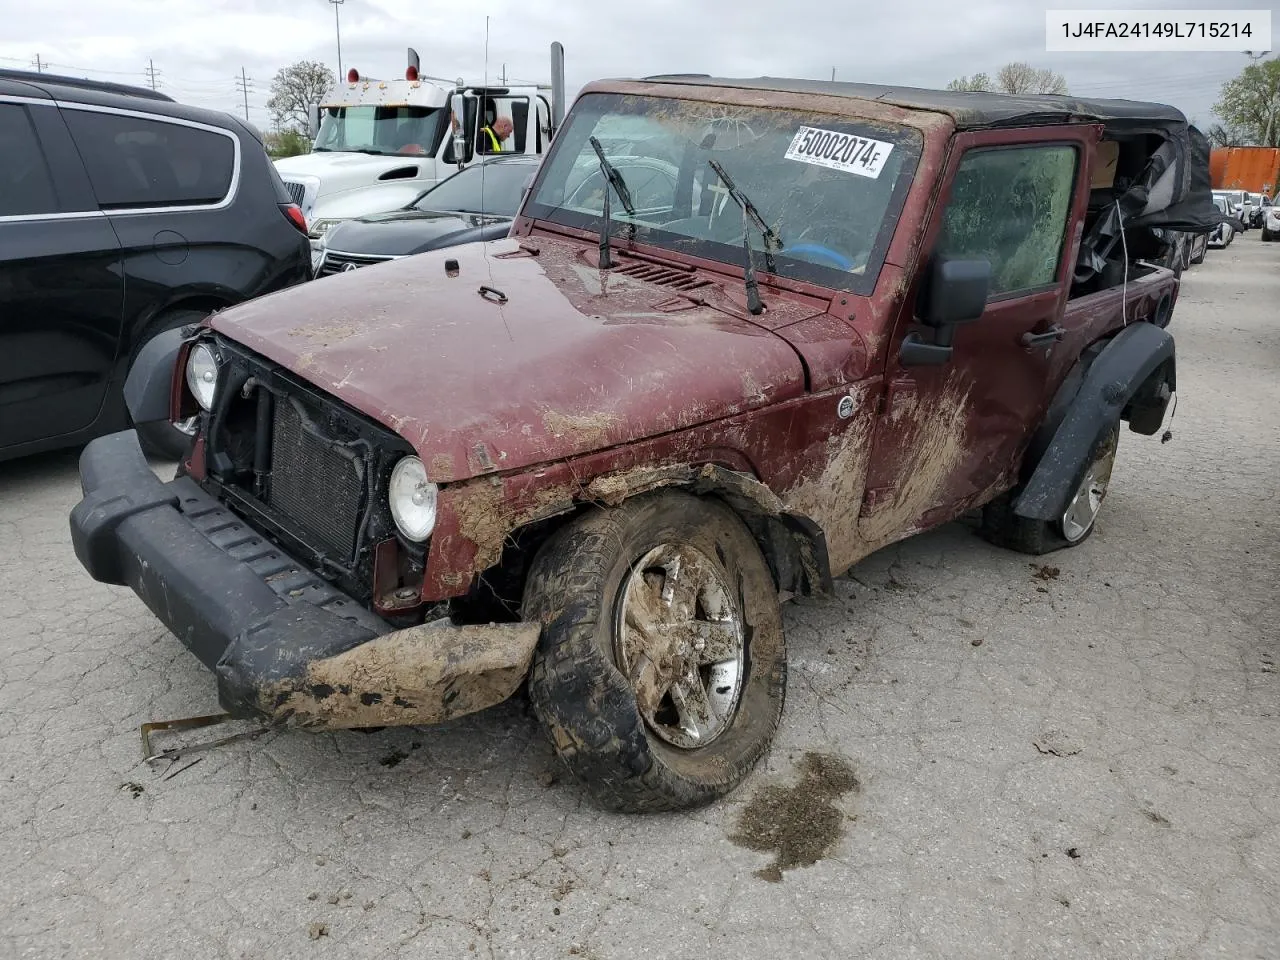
(831, 185)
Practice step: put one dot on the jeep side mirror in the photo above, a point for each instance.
(955, 292)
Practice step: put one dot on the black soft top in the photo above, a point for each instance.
(969, 111)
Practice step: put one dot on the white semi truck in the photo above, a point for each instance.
(380, 143)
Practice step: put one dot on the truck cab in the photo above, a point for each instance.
(378, 144)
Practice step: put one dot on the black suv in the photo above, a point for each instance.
(123, 215)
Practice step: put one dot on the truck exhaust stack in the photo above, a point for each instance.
(557, 87)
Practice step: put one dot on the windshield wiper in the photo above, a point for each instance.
(614, 178)
(772, 239)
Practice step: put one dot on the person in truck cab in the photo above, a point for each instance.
(494, 135)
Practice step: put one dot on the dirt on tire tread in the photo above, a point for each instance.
(580, 697)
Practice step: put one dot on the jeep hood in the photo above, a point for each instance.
(572, 361)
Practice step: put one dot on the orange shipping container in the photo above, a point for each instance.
(1256, 169)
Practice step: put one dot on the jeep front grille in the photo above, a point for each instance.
(315, 483)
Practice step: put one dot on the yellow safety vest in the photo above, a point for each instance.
(496, 144)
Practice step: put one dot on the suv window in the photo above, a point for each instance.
(134, 162)
(26, 186)
(1009, 206)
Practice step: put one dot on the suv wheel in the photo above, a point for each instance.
(1003, 527)
(661, 671)
(162, 439)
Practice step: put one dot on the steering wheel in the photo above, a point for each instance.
(848, 238)
(835, 258)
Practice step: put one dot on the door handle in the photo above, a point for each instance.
(1052, 335)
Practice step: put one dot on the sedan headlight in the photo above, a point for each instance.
(413, 499)
(320, 227)
(202, 374)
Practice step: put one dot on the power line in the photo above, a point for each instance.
(242, 84)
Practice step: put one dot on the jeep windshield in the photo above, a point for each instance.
(380, 130)
(831, 186)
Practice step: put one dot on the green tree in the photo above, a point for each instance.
(287, 143)
(1014, 78)
(979, 83)
(1249, 105)
(295, 90)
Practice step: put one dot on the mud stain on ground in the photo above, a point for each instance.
(801, 823)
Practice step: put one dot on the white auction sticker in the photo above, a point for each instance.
(839, 151)
(1178, 31)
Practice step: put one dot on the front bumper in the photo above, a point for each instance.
(282, 642)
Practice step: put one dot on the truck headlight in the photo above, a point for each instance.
(413, 499)
(202, 375)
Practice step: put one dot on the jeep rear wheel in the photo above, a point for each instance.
(1003, 527)
(661, 671)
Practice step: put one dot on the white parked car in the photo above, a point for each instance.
(1271, 221)
(1223, 233)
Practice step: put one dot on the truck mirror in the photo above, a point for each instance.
(956, 292)
(313, 122)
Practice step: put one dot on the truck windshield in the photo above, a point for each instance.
(830, 186)
(381, 130)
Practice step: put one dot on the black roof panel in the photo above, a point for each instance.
(50, 83)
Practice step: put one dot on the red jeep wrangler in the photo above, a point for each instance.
(743, 333)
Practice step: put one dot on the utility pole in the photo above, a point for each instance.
(151, 72)
(242, 84)
(38, 65)
(337, 28)
(833, 74)
(504, 74)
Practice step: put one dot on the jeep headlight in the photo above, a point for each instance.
(413, 499)
(202, 375)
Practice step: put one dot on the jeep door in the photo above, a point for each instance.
(950, 435)
(61, 291)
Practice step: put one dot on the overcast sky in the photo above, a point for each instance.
(199, 48)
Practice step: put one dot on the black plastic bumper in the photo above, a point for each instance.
(252, 614)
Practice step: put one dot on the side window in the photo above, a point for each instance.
(1009, 206)
(26, 186)
(134, 162)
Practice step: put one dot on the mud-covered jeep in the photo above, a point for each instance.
(802, 321)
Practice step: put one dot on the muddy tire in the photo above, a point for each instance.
(1004, 528)
(643, 606)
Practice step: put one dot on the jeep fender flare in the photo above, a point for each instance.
(1129, 377)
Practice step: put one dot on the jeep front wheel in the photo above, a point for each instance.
(661, 671)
